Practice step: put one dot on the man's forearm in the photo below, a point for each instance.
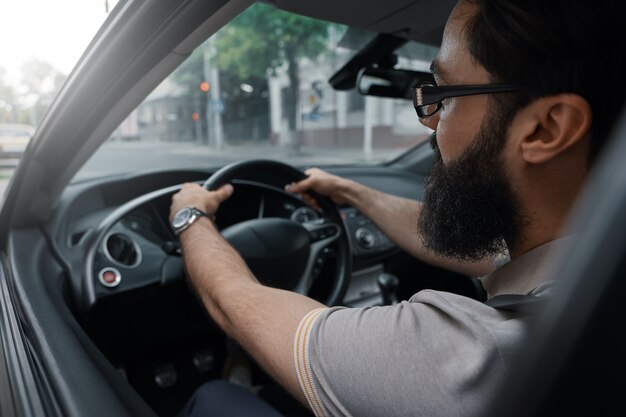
(213, 266)
(262, 319)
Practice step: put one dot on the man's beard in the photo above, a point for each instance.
(470, 210)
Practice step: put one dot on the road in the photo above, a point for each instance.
(120, 157)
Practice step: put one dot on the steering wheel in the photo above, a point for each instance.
(284, 251)
(123, 254)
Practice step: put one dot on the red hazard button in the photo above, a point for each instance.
(109, 277)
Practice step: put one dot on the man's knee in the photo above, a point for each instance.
(219, 398)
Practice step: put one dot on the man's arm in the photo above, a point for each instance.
(395, 216)
(262, 319)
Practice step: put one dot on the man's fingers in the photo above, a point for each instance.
(192, 194)
(305, 183)
(292, 188)
(312, 171)
(224, 192)
(298, 187)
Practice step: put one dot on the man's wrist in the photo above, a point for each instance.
(186, 217)
(204, 223)
(354, 193)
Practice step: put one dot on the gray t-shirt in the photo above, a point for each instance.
(437, 354)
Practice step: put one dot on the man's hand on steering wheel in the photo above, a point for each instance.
(194, 195)
(329, 185)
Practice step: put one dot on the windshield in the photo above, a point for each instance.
(259, 89)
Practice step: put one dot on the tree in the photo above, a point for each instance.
(263, 39)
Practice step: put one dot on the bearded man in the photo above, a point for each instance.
(520, 111)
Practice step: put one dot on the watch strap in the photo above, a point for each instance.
(196, 214)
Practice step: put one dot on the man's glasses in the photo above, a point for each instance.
(427, 97)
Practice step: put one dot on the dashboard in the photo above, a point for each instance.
(126, 284)
(111, 255)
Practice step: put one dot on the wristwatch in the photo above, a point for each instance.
(185, 218)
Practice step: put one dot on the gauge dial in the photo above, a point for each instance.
(304, 215)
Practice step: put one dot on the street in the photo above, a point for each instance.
(121, 157)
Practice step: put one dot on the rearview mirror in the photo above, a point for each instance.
(389, 82)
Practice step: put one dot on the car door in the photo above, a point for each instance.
(18, 380)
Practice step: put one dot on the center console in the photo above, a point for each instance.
(369, 246)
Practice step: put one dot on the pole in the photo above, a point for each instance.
(214, 106)
(218, 130)
(367, 127)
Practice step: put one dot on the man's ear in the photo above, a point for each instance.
(553, 125)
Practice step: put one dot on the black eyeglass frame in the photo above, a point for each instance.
(426, 94)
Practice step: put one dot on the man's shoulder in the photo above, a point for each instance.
(425, 312)
(425, 334)
(449, 301)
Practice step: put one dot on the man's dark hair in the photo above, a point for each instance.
(551, 47)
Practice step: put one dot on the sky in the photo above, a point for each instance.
(56, 31)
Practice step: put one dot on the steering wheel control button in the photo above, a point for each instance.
(323, 233)
(328, 232)
(365, 238)
(304, 215)
(110, 277)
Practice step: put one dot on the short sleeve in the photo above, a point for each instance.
(301, 358)
(426, 356)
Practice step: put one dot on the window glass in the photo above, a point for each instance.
(259, 89)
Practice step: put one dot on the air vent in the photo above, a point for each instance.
(122, 250)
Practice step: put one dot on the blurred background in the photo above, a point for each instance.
(259, 86)
(41, 42)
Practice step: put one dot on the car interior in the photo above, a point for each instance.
(104, 271)
(105, 322)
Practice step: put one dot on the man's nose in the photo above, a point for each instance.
(430, 122)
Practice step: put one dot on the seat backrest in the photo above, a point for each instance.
(572, 361)
(517, 303)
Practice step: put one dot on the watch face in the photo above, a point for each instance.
(181, 217)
